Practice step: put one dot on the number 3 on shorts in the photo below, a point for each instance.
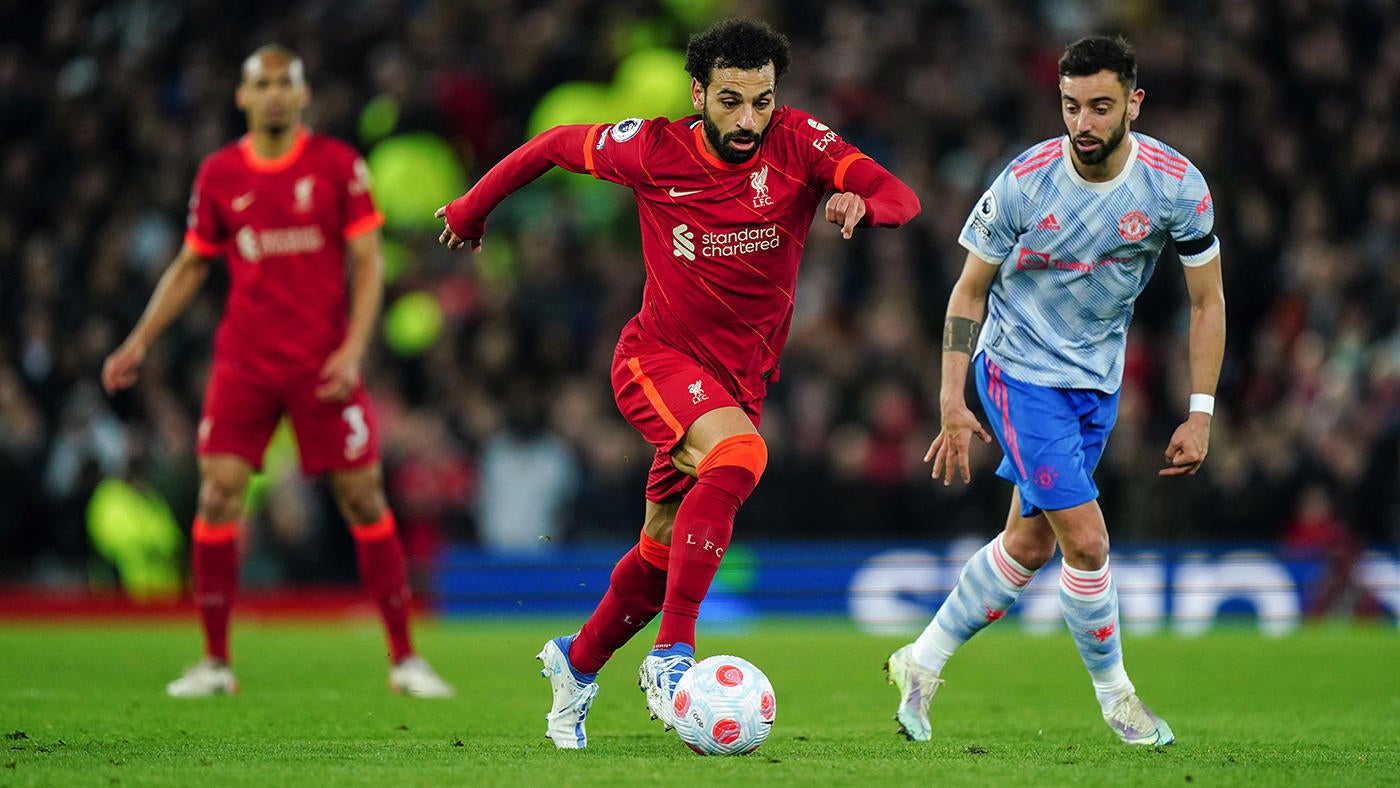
(358, 437)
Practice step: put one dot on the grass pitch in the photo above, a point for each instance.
(82, 704)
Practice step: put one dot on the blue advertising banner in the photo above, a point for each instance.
(895, 587)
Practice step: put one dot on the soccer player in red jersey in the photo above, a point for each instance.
(725, 199)
(291, 214)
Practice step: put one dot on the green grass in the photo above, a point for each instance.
(82, 705)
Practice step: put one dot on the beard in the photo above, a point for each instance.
(1106, 147)
(720, 142)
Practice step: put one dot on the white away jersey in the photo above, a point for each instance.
(1075, 255)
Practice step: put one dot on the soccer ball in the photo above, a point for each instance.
(724, 706)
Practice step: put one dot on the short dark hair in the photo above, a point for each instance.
(1090, 55)
(736, 43)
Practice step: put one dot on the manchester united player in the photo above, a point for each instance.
(291, 213)
(726, 198)
(1059, 248)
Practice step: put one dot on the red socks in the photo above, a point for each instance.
(384, 575)
(674, 579)
(704, 525)
(214, 563)
(635, 593)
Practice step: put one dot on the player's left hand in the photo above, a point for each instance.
(845, 210)
(339, 376)
(1188, 446)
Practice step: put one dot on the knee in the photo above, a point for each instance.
(1031, 549)
(361, 503)
(359, 495)
(221, 498)
(1087, 551)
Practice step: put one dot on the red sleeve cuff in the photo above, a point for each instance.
(457, 219)
(839, 179)
(363, 225)
(200, 246)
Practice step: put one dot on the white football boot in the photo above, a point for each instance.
(658, 676)
(1136, 724)
(205, 678)
(917, 685)
(414, 677)
(572, 696)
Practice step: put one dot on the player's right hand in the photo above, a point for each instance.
(119, 370)
(951, 451)
(452, 239)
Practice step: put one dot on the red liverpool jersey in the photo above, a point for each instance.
(282, 225)
(721, 242)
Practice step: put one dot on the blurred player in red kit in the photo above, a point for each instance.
(725, 200)
(291, 214)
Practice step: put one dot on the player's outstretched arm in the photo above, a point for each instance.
(874, 197)
(1206, 348)
(951, 450)
(464, 219)
(174, 291)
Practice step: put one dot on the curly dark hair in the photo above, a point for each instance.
(736, 43)
(1089, 56)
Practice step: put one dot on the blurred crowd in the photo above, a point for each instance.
(502, 431)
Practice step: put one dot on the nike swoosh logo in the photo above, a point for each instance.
(242, 201)
(674, 192)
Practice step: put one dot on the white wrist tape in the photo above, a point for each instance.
(1202, 403)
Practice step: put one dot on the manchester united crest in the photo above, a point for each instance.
(1134, 226)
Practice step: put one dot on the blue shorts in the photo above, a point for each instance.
(1052, 438)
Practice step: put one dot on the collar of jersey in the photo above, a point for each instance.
(714, 160)
(279, 163)
(1105, 186)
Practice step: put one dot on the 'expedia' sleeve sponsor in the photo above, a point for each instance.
(995, 223)
(838, 166)
(831, 156)
(204, 232)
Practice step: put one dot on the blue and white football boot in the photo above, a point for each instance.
(658, 676)
(573, 694)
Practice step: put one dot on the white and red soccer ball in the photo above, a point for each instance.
(724, 706)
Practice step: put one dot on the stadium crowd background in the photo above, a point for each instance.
(498, 425)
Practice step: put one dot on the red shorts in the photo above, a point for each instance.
(661, 393)
(242, 409)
